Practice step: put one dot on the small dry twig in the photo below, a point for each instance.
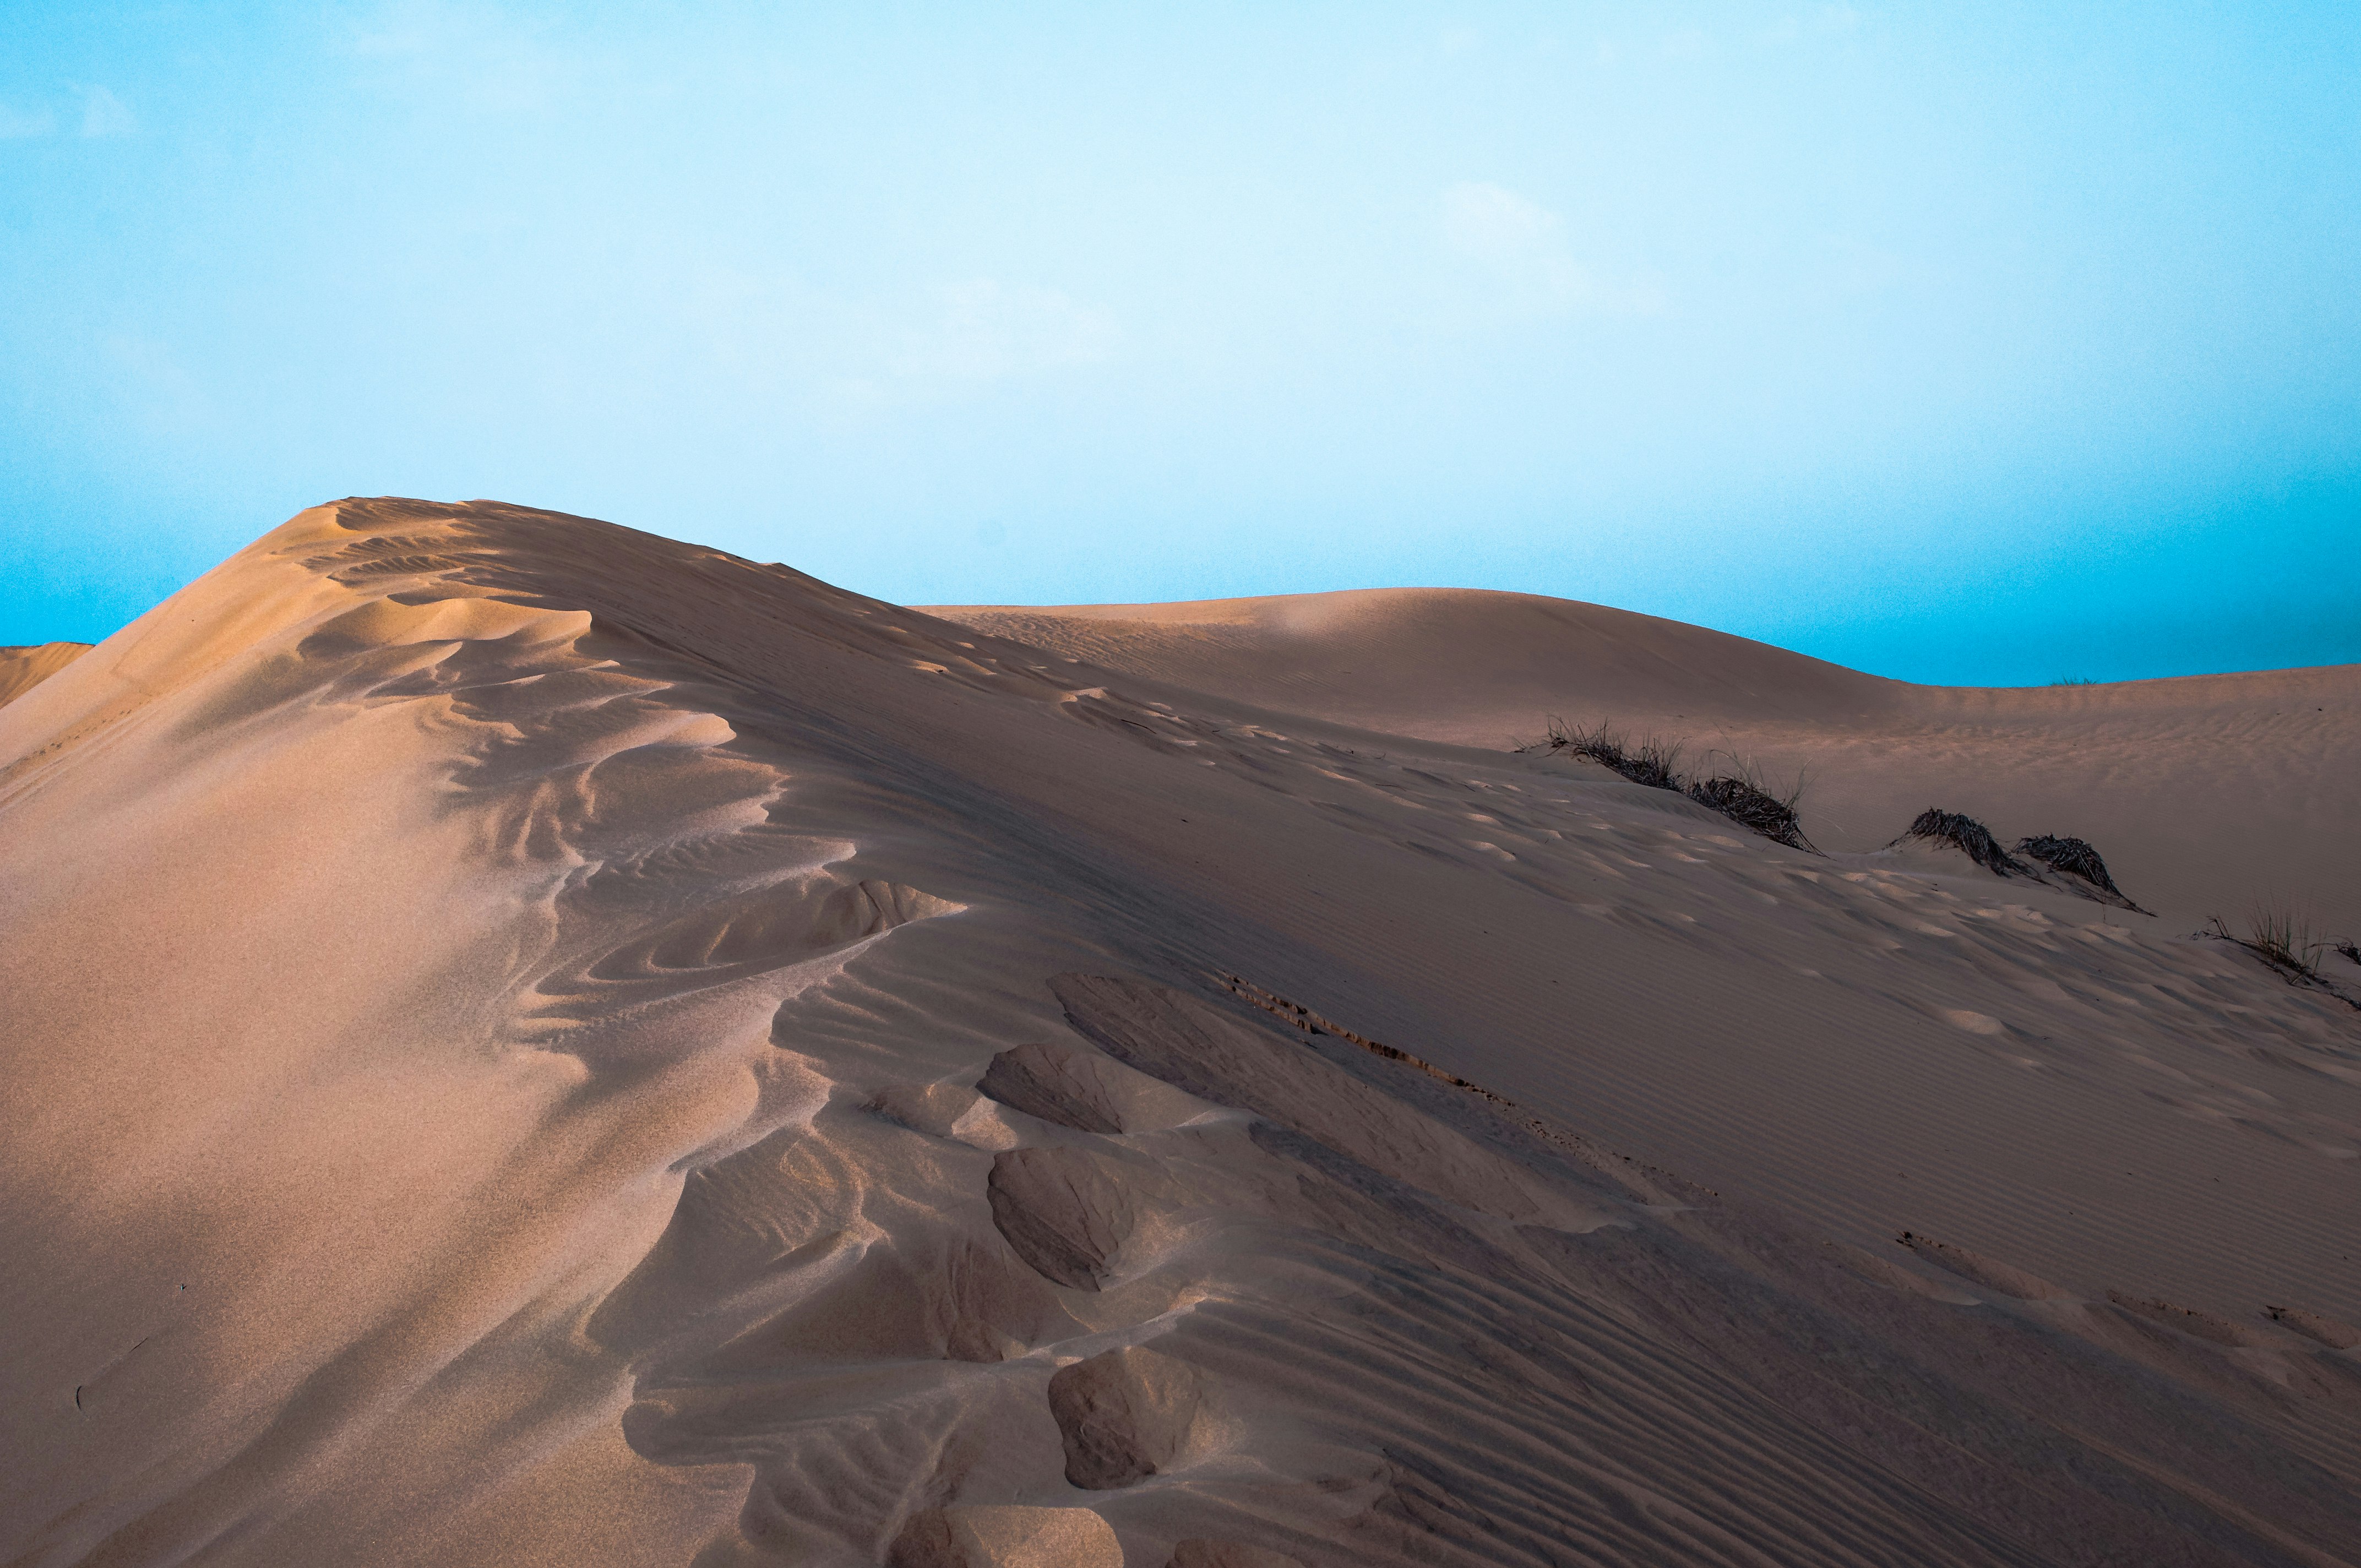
(2286, 941)
(2280, 938)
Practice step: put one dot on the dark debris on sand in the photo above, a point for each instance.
(1966, 835)
(1656, 765)
(1748, 803)
(2073, 856)
(2071, 864)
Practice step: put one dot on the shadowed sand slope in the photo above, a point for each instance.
(22, 669)
(2207, 793)
(532, 1043)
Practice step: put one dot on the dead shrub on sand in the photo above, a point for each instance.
(1652, 761)
(1750, 799)
(2044, 854)
(1966, 835)
(1744, 797)
(2075, 857)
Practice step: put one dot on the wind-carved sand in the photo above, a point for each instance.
(531, 1043)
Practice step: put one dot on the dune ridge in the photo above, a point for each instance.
(538, 1043)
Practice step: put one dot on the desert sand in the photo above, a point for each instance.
(535, 1043)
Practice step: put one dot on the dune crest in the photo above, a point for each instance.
(537, 1044)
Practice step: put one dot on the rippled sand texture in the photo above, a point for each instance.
(531, 1043)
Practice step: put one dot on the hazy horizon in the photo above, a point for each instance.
(1991, 349)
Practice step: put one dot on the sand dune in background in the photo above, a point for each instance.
(2208, 792)
(532, 1043)
(22, 669)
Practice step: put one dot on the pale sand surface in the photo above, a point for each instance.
(534, 1043)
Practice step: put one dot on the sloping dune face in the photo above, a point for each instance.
(531, 1043)
(2210, 792)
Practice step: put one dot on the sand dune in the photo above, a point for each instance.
(2210, 791)
(535, 1043)
(22, 669)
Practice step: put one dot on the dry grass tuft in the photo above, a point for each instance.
(1750, 800)
(1744, 797)
(1967, 835)
(2286, 940)
(1652, 761)
(2281, 938)
(2073, 856)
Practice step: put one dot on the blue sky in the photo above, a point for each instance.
(1971, 344)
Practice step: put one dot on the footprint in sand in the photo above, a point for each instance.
(1056, 1083)
(1063, 1211)
(1125, 1415)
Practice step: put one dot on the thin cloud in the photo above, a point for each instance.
(104, 114)
(1521, 245)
